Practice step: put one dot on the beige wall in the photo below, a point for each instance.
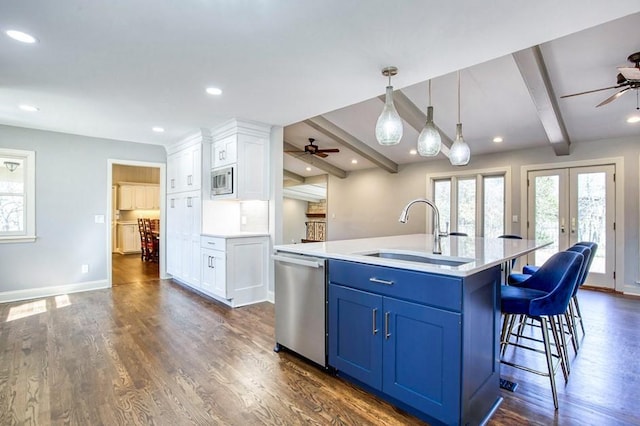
(293, 218)
(367, 203)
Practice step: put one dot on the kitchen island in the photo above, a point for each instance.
(418, 329)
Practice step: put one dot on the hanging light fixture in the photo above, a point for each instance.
(11, 165)
(429, 140)
(459, 153)
(389, 124)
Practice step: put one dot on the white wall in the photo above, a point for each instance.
(71, 187)
(293, 218)
(368, 203)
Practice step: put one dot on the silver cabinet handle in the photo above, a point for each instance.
(374, 314)
(211, 242)
(173, 183)
(379, 281)
(386, 326)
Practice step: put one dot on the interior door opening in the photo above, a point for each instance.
(135, 223)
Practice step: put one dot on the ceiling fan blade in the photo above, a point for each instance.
(613, 97)
(328, 150)
(592, 91)
(320, 154)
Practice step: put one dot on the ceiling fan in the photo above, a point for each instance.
(628, 78)
(315, 150)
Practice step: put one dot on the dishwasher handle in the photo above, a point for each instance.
(299, 261)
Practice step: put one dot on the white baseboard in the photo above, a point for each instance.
(36, 293)
(271, 297)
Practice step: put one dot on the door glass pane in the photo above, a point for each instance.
(11, 213)
(592, 212)
(493, 206)
(466, 206)
(442, 198)
(547, 212)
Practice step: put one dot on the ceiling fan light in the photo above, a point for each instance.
(429, 140)
(460, 153)
(389, 124)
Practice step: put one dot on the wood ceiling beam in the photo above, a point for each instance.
(315, 161)
(340, 136)
(410, 113)
(536, 77)
(289, 175)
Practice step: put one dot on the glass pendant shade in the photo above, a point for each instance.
(429, 140)
(459, 154)
(389, 124)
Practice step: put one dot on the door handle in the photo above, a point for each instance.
(386, 326)
(374, 313)
(562, 225)
(573, 225)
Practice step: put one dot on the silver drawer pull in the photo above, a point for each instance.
(379, 281)
(212, 243)
(375, 329)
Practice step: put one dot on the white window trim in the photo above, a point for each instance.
(29, 158)
(478, 174)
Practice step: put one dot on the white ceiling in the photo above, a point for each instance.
(115, 69)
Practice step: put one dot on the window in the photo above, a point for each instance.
(475, 203)
(17, 195)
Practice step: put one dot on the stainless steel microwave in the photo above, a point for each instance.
(222, 181)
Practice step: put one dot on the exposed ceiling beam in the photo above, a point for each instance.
(410, 113)
(288, 175)
(340, 136)
(314, 161)
(534, 72)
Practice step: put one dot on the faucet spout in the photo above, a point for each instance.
(404, 217)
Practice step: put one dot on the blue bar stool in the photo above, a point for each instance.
(545, 299)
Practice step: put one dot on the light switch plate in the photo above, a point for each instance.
(515, 218)
(99, 218)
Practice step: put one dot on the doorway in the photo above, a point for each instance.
(136, 192)
(572, 204)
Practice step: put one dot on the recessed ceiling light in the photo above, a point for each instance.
(29, 108)
(497, 139)
(633, 119)
(214, 91)
(22, 37)
(158, 129)
(413, 152)
(308, 169)
(354, 161)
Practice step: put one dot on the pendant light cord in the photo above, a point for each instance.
(429, 92)
(458, 96)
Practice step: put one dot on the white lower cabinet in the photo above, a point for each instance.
(235, 269)
(128, 238)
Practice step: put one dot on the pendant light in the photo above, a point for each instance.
(389, 124)
(459, 153)
(429, 140)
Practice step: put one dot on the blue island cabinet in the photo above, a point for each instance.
(401, 335)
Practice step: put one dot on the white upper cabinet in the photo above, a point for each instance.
(184, 170)
(135, 196)
(243, 146)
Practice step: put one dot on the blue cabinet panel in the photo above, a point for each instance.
(430, 289)
(422, 358)
(355, 323)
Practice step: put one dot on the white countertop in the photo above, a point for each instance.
(482, 253)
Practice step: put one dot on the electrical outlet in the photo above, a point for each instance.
(85, 269)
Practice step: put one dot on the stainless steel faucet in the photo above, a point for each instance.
(404, 216)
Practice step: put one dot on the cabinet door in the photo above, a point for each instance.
(422, 357)
(175, 222)
(125, 197)
(140, 197)
(192, 168)
(224, 151)
(355, 334)
(173, 166)
(152, 197)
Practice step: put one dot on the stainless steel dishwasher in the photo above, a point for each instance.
(300, 293)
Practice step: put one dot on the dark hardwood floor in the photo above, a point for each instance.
(151, 352)
(129, 268)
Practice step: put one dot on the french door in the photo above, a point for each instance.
(575, 204)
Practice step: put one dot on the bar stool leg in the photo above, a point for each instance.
(547, 350)
(579, 314)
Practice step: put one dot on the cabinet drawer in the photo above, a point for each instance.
(430, 289)
(213, 243)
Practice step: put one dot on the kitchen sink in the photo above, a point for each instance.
(421, 258)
